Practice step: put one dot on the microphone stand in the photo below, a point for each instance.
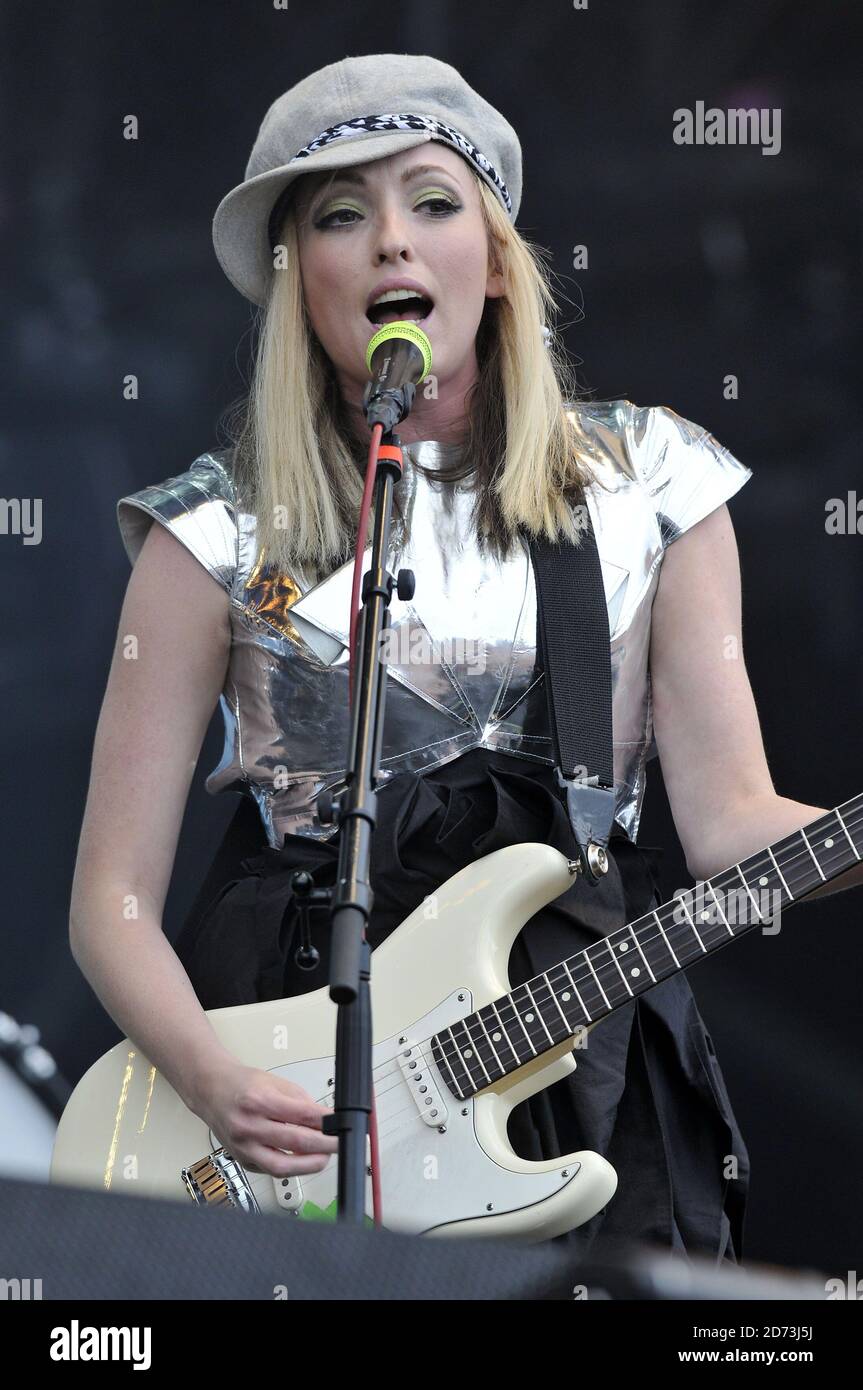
(354, 811)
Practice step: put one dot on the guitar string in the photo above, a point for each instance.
(646, 940)
(388, 1068)
(388, 1127)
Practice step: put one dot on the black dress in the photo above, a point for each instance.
(648, 1093)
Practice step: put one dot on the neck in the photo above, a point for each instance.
(418, 427)
(560, 1005)
(443, 419)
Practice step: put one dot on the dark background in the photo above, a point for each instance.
(704, 261)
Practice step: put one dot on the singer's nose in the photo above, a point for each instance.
(392, 237)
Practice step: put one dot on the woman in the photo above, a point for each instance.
(339, 206)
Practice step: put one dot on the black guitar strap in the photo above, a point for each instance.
(574, 645)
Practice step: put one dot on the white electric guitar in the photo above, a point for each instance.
(455, 1049)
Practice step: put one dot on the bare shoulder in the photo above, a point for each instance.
(705, 719)
(166, 571)
(167, 671)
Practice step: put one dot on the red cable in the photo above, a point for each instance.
(377, 1206)
(365, 509)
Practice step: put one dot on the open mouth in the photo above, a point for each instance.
(418, 309)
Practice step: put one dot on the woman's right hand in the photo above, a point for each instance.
(256, 1115)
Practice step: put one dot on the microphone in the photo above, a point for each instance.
(398, 357)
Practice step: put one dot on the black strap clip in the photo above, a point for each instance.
(591, 813)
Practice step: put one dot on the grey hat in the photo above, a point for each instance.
(332, 119)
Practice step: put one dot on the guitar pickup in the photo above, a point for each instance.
(418, 1074)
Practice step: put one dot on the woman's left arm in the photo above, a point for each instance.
(708, 737)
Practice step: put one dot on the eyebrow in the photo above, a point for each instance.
(348, 176)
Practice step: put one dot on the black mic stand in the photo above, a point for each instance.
(355, 812)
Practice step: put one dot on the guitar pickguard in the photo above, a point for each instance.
(434, 1171)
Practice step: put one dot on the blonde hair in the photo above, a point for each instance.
(299, 467)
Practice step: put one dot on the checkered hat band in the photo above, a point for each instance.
(347, 130)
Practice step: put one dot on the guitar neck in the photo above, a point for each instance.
(586, 987)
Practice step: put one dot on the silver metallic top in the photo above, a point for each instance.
(461, 654)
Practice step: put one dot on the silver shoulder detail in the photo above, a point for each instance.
(686, 472)
(198, 507)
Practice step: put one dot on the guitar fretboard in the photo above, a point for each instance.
(555, 1006)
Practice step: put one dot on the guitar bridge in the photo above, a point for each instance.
(217, 1181)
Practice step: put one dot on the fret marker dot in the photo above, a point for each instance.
(705, 916)
(763, 881)
(467, 1052)
(624, 945)
(566, 996)
(495, 1037)
(828, 844)
(635, 970)
(528, 1018)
